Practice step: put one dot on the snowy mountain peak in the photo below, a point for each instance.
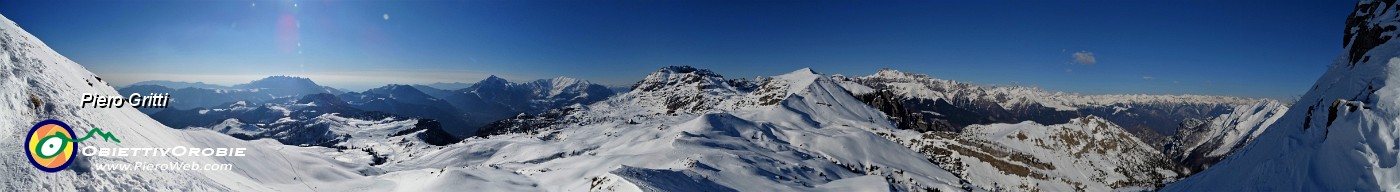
(683, 69)
(492, 85)
(801, 74)
(273, 81)
(807, 70)
(685, 77)
(493, 80)
(284, 86)
(799, 80)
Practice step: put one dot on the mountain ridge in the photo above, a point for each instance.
(1341, 135)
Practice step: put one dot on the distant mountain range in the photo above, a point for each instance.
(1163, 137)
(460, 112)
(448, 86)
(259, 91)
(179, 85)
(992, 137)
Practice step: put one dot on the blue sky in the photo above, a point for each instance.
(1273, 49)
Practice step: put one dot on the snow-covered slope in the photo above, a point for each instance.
(563, 91)
(924, 103)
(1086, 153)
(1200, 143)
(41, 84)
(1342, 135)
(815, 138)
(1018, 156)
(691, 128)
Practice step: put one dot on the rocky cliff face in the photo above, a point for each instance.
(1200, 143)
(1370, 25)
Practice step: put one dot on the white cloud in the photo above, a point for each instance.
(1146, 77)
(1084, 57)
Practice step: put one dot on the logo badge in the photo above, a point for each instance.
(49, 145)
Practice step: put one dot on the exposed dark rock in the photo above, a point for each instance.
(1361, 35)
(432, 133)
(525, 123)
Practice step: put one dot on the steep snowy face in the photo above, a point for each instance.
(816, 97)
(1341, 135)
(770, 91)
(1201, 143)
(561, 84)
